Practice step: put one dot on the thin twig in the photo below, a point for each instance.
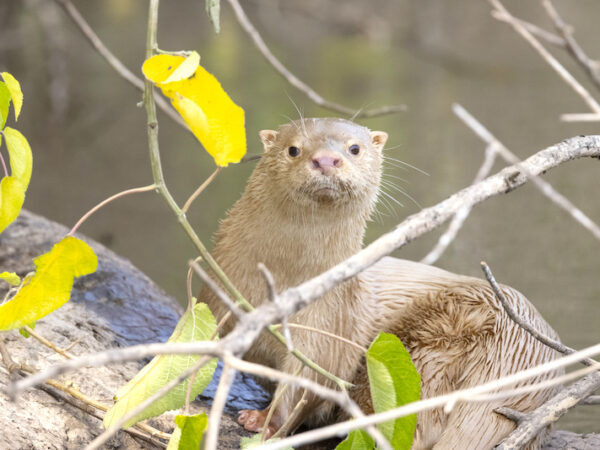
(326, 333)
(221, 295)
(553, 344)
(551, 60)
(547, 36)
(269, 282)
(511, 414)
(272, 296)
(216, 410)
(583, 117)
(459, 219)
(188, 285)
(249, 28)
(147, 436)
(80, 396)
(198, 191)
(6, 358)
(535, 387)
(4, 165)
(590, 66)
(112, 60)
(538, 419)
(108, 200)
(47, 343)
(592, 400)
(285, 428)
(545, 187)
(281, 389)
(106, 435)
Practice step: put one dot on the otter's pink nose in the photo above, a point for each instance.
(325, 162)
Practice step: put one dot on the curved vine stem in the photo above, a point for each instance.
(106, 201)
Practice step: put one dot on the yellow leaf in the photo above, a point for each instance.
(12, 196)
(185, 69)
(10, 278)
(160, 67)
(213, 117)
(50, 287)
(15, 92)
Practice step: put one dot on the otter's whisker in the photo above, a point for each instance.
(388, 158)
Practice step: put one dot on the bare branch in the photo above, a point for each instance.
(553, 344)
(105, 357)
(535, 421)
(457, 221)
(47, 343)
(269, 281)
(328, 334)
(198, 191)
(551, 60)
(112, 60)
(511, 414)
(235, 309)
(583, 117)
(592, 400)
(295, 81)
(590, 66)
(216, 411)
(547, 36)
(542, 185)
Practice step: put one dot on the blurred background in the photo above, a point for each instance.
(89, 137)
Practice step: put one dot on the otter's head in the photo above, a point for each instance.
(323, 162)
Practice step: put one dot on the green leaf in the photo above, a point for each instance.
(50, 287)
(195, 325)
(255, 441)
(15, 92)
(394, 382)
(4, 103)
(21, 160)
(188, 432)
(213, 8)
(11, 278)
(12, 196)
(357, 440)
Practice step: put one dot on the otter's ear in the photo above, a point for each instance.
(268, 138)
(378, 139)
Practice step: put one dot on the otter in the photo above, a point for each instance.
(305, 209)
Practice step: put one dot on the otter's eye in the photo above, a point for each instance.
(293, 151)
(354, 149)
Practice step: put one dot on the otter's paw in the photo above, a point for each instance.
(254, 420)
